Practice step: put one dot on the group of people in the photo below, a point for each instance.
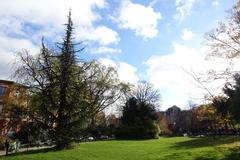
(12, 146)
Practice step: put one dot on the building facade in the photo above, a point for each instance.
(11, 95)
(5, 87)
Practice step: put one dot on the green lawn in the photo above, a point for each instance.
(178, 148)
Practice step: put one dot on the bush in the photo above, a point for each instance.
(30, 133)
(137, 132)
(99, 131)
(138, 121)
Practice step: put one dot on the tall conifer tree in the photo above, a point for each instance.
(58, 102)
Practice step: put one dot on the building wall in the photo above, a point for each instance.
(9, 95)
(4, 94)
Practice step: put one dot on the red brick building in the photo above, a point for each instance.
(4, 94)
(11, 94)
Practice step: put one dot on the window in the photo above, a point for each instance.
(2, 90)
(1, 107)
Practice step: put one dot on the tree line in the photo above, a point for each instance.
(220, 115)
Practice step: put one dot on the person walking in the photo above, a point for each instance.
(18, 144)
(6, 146)
(14, 145)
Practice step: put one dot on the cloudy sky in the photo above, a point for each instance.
(153, 40)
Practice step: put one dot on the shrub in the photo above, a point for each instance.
(138, 121)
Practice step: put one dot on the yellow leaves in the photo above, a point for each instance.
(206, 112)
(18, 96)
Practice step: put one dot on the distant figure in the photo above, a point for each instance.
(6, 146)
(14, 144)
(18, 144)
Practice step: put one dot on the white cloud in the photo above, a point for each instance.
(108, 62)
(101, 34)
(106, 35)
(16, 44)
(215, 2)
(35, 19)
(127, 73)
(167, 74)
(105, 50)
(24, 22)
(8, 53)
(184, 8)
(187, 34)
(143, 20)
(52, 12)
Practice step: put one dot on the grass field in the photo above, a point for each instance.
(178, 148)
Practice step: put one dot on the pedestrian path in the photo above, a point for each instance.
(2, 152)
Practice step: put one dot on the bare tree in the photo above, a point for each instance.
(224, 42)
(104, 87)
(145, 92)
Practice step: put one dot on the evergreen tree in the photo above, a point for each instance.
(138, 120)
(233, 101)
(58, 100)
(139, 113)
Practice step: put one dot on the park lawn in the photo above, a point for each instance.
(177, 148)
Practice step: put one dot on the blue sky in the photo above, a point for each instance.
(149, 40)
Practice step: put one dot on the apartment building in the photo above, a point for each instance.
(11, 94)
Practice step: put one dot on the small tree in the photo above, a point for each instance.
(233, 101)
(139, 117)
(207, 118)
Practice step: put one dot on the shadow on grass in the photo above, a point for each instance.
(206, 142)
(204, 158)
(179, 156)
(231, 156)
(231, 153)
(234, 154)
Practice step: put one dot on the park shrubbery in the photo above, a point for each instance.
(139, 115)
(137, 132)
(99, 132)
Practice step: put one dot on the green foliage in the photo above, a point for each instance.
(221, 105)
(138, 120)
(98, 131)
(30, 132)
(233, 101)
(139, 115)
